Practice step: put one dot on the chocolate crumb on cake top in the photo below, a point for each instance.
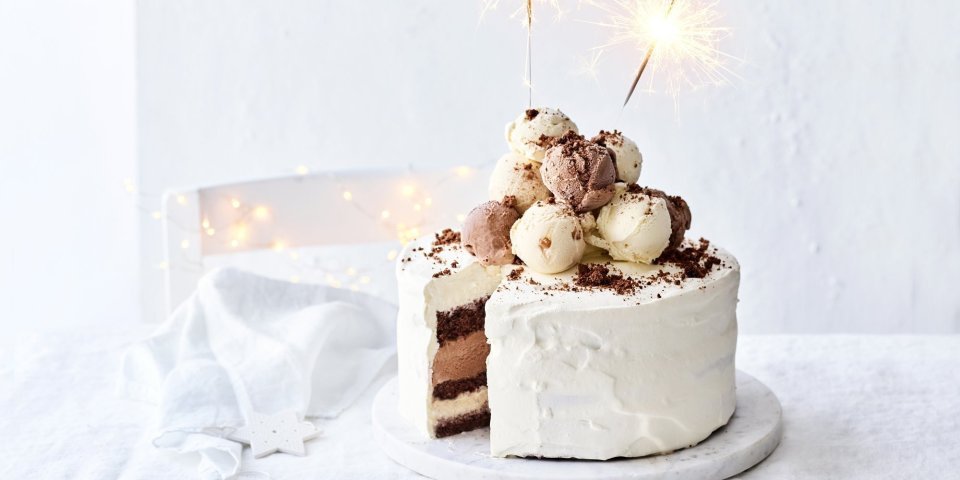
(599, 275)
(695, 261)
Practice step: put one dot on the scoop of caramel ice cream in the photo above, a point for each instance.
(579, 172)
(486, 232)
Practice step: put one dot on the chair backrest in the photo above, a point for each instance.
(272, 226)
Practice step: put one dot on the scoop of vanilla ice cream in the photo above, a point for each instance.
(626, 154)
(525, 134)
(634, 227)
(548, 237)
(516, 176)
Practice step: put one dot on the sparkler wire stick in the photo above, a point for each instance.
(529, 56)
(646, 59)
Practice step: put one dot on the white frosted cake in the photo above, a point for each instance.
(576, 324)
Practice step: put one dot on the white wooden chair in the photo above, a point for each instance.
(343, 229)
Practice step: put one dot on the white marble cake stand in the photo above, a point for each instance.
(751, 435)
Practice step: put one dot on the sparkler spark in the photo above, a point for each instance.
(679, 38)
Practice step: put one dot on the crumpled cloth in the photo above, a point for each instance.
(244, 343)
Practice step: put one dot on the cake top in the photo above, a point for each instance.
(557, 195)
(437, 257)
(693, 265)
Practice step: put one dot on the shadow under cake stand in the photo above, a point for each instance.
(750, 436)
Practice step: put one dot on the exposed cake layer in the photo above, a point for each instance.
(441, 346)
(460, 359)
(613, 359)
(460, 371)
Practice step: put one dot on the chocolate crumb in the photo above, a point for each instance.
(605, 138)
(599, 276)
(695, 261)
(446, 237)
(509, 201)
(515, 274)
(545, 242)
(445, 271)
(531, 113)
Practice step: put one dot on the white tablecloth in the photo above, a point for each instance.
(870, 407)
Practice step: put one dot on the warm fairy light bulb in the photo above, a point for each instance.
(385, 214)
(181, 199)
(351, 271)
(234, 243)
(157, 215)
(185, 244)
(279, 245)
(347, 195)
(461, 217)
(128, 185)
(240, 231)
(294, 279)
(302, 170)
(261, 213)
(163, 265)
(392, 255)
(364, 280)
(463, 171)
(211, 231)
(235, 203)
(408, 190)
(417, 207)
(428, 201)
(205, 223)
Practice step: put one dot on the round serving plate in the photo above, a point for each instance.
(751, 435)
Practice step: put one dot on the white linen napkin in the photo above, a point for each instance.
(244, 343)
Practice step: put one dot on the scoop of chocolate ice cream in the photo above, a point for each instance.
(486, 232)
(579, 172)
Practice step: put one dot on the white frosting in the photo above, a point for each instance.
(421, 296)
(597, 375)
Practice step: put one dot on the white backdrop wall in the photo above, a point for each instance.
(68, 228)
(831, 167)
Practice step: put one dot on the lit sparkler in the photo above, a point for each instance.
(679, 38)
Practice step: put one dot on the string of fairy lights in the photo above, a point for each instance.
(236, 234)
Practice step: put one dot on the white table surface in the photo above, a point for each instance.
(870, 407)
